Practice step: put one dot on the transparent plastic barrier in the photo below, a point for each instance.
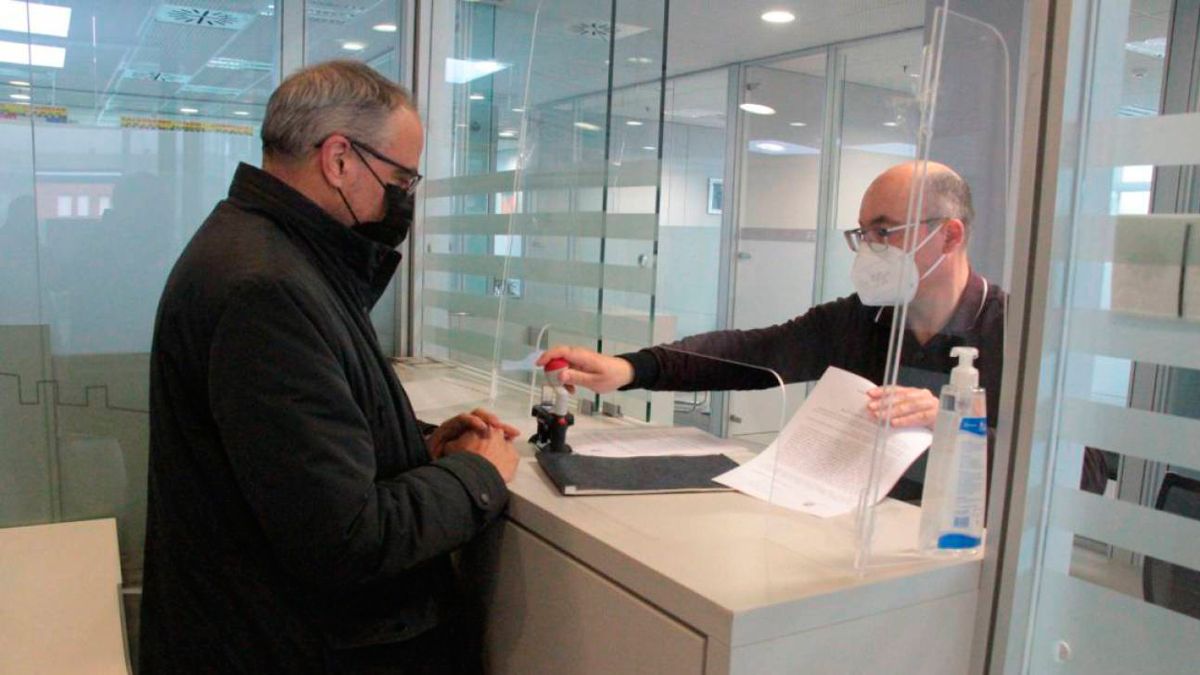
(954, 252)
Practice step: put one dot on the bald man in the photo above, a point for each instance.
(949, 305)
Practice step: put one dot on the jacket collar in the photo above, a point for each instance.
(366, 264)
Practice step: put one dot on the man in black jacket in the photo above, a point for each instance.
(299, 518)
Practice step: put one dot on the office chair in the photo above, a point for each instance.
(1167, 584)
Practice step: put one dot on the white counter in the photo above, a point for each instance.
(713, 583)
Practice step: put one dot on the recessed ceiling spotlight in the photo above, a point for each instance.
(353, 46)
(757, 109)
(19, 97)
(384, 27)
(188, 111)
(18, 83)
(241, 113)
(778, 16)
(587, 126)
(891, 124)
(640, 59)
(633, 123)
(797, 124)
(476, 97)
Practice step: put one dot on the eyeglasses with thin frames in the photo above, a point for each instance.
(410, 179)
(877, 237)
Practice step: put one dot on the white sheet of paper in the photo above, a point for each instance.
(435, 394)
(820, 461)
(645, 442)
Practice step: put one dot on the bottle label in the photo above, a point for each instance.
(974, 425)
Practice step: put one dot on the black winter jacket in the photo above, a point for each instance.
(293, 509)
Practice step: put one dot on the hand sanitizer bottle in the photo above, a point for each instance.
(955, 493)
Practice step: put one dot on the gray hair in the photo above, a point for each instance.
(345, 97)
(950, 196)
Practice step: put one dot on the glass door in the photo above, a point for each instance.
(781, 113)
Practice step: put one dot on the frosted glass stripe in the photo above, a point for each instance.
(475, 344)
(1140, 433)
(1162, 535)
(1161, 140)
(1108, 632)
(641, 226)
(635, 329)
(630, 174)
(564, 272)
(1172, 342)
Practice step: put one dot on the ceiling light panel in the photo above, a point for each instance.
(35, 18)
(460, 71)
(24, 54)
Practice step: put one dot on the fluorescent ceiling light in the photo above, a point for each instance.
(778, 16)
(640, 59)
(518, 110)
(757, 109)
(771, 146)
(24, 54)
(188, 111)
(352, 46)
(384, 27)
(891, 124)
(507, 133)
(35, 18)
(19, 97)
(18, 83)
(476, 97)
(633, 123)
(649, 147)
(586, 126)
(797, 124)
(459, 71)
(241, 113)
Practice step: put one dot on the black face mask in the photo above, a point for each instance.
(397, 219)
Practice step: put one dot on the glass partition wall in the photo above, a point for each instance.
(540, 215)
(122, 124)
(1106, 579)
(581, 190)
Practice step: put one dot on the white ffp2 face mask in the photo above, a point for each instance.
(888, 277)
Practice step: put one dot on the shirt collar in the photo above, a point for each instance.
(369, 264)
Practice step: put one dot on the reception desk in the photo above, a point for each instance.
(710, 583)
